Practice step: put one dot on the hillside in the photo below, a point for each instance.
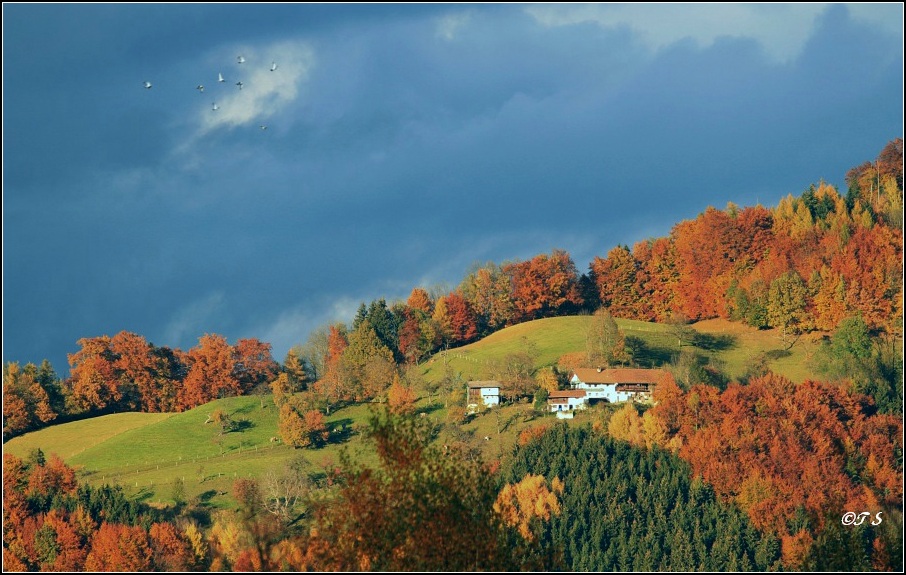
(71, 439)
(146, 453)
(732, 346)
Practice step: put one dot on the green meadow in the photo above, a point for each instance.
(148, 453)
(732, 347)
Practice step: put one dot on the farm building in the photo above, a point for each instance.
(483, 394)
(566, 401)
(616, 385)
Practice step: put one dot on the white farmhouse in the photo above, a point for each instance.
(616, 385)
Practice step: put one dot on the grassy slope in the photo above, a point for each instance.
(73, 438)
(554, 337)
(146, 453)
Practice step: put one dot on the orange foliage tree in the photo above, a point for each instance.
(333, 386)
(400, 399)
(782, 450)
(543, 286)
(119, 548)
(616, 277)
(253, 363)
(210, 375)
(526, 503)
(93, 381)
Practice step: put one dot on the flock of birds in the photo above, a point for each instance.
(220, 80)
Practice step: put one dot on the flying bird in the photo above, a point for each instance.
(214, 106)
(239, 84)
(148, 85)
(273, 66)
(200, 87)
(263, 127)
(220, 77)
(240, 59)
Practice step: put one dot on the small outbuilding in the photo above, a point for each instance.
(566, 400)
(482, 395)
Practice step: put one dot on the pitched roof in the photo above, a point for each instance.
(618, 375)
(483, 384)
(575, 393)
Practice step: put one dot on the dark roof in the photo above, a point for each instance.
(483, 384)
(576, 393)
(634, 387)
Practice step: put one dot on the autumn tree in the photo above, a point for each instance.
(828, 291)
(400, 399)
(211, 373)
(307, 429)
(93, 382)
(119, 548)
(544, 286)
(281, 389)
(334, 385)
(456, 321)
(253, 364)
(616, 278)
(26, 402)
(171, 549)
(786, 451)
(549, 379)
(292, 426)
(626, 425)
(488, 291)
(524, 504)
(416, 510)
(419, 300)
(706, 249)
(871, 269)
(656, 277)
(135, 371)
(416, 335)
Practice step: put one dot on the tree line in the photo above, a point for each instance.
(127, 373)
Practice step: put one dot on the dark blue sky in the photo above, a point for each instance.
(403, 144)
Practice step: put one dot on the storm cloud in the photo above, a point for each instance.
(403, 144)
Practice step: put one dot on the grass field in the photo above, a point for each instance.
(70, 439)
(147, 453)
(737, 346)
